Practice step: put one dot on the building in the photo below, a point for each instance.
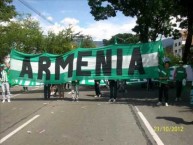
(177, 47)
(173, 46)
(168, 45)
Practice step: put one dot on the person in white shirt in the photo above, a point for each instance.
(5, 83)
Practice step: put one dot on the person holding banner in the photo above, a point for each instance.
(163, 83)
(97, 88)
(5, 83)
(113, 90)
(47, 91)
(61, 90)
(75, 93)
(179, 76)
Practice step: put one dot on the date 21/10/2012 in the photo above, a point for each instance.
(168, 128)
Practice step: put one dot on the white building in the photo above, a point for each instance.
(177, 47)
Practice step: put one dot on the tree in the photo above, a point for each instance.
(7, 11)
(24, 35)
(173, 59)
(85, 41)
(60, 43)
(153, 17)
(184, 13)
(125, 38)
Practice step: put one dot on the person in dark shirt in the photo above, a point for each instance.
(47, 91)
(163, 83)
(179, 76)
(97, 88)
(113, 90)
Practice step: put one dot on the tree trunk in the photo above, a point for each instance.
(186, 54)
(143, 36)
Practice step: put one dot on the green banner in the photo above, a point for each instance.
(118, 62)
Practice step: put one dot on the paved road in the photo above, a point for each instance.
(93, 121)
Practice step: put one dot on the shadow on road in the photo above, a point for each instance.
(176, 120)
(134, 94)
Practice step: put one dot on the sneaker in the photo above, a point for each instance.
(96, 96)
(3, 101)
(99, 95)
(114, 100)
(8, 100)
(159, 103)
(166, 104)
(109, 100)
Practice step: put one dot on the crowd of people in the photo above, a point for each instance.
(52, 90)
(179, 77)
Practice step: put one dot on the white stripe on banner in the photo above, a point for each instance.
(149, 60)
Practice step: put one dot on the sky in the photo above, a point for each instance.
(63, 13)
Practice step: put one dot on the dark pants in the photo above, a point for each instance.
(97, 89)
(113, 90)
(47, 91)
(163, 90)
(178, 89)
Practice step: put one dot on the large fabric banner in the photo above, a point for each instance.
(133, 61)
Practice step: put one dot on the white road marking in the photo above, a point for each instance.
(149, 127)
(18, 129)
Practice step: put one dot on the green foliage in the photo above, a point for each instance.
(25, 35)
(59, 43)
(174, 59)
(184, 13)
(153, 17)
(7, 11)
(125, 38)
(87, 42)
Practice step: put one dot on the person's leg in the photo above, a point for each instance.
(115, 91)
(96, 89)
(77, 92)
(8, 91)
(73, 92)
(180, 89)
(59, 91)
(63, 86)
(48, 91)
(166, 93)
(52, 89)
(3, 92)
(45, 91)
(160, 92)
(99, 91)
(177, 90)
(111, 92)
